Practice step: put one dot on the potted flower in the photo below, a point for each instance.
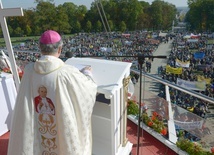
(155, 123)
(7, 70)
(192, 148)
(132, 108)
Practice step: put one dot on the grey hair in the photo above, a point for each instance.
(49, 49)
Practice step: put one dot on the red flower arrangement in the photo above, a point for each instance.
(155, 114)
(154, 122)
(150, 124)
(164, 131)
(21, 74)
(7, 70)
(212, 149)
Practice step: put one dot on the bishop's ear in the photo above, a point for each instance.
(59, 50)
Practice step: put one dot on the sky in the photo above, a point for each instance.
(25, 4)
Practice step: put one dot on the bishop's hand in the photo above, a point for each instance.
(87, 71)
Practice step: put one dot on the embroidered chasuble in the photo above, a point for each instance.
(52, 115)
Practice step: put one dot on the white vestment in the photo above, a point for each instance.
(59, 124)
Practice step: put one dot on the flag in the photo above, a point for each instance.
(199, 55)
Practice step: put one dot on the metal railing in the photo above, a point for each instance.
(165, 82)
(196, 126)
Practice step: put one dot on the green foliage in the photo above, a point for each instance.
(154, 122)
(88, 26)
(77, 26)
(70, 18)
(28, 30)
(201, 15)
(18, 31)
(192, 148)
(98, 26)
(122, 27)
(132, 108)
(122, 15)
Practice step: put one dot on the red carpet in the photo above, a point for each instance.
(148, 144)
(4, 143)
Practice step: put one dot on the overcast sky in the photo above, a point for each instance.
(30, 3)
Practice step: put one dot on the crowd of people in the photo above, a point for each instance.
(194, 56)
(113, 46)
(142, 43)
(137, 43)
(191, 62)
(194, 69)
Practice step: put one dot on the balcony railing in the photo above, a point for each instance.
(185, 112)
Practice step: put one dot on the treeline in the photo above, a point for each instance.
(201, 15)
(122, 15)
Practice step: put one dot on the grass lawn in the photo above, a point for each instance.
(17, 40)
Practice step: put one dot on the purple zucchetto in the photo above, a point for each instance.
(50, 37)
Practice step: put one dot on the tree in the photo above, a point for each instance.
(157, 14)
(162, 14)
(88, 26)
(111, 25)
(169, 12)
(120, 14)
(92, 15)
(37, 29)
(10, 29)
(29, 22)
(45, 15)
(144, 20)
(98, 26)
(77, 27)
(80, 14)
(201, 14)
(61, 20)
(18, 32)
(123, 26)
(28, 30)
(71, 9)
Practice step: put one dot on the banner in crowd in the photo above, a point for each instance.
(189, 125)
(126, 35)
(199, 55)
(192, 85)
(202, 78)
(173, 70)
(105, 49)
(129, 43)
(192, 40)
(203, 67)
(180, 63)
